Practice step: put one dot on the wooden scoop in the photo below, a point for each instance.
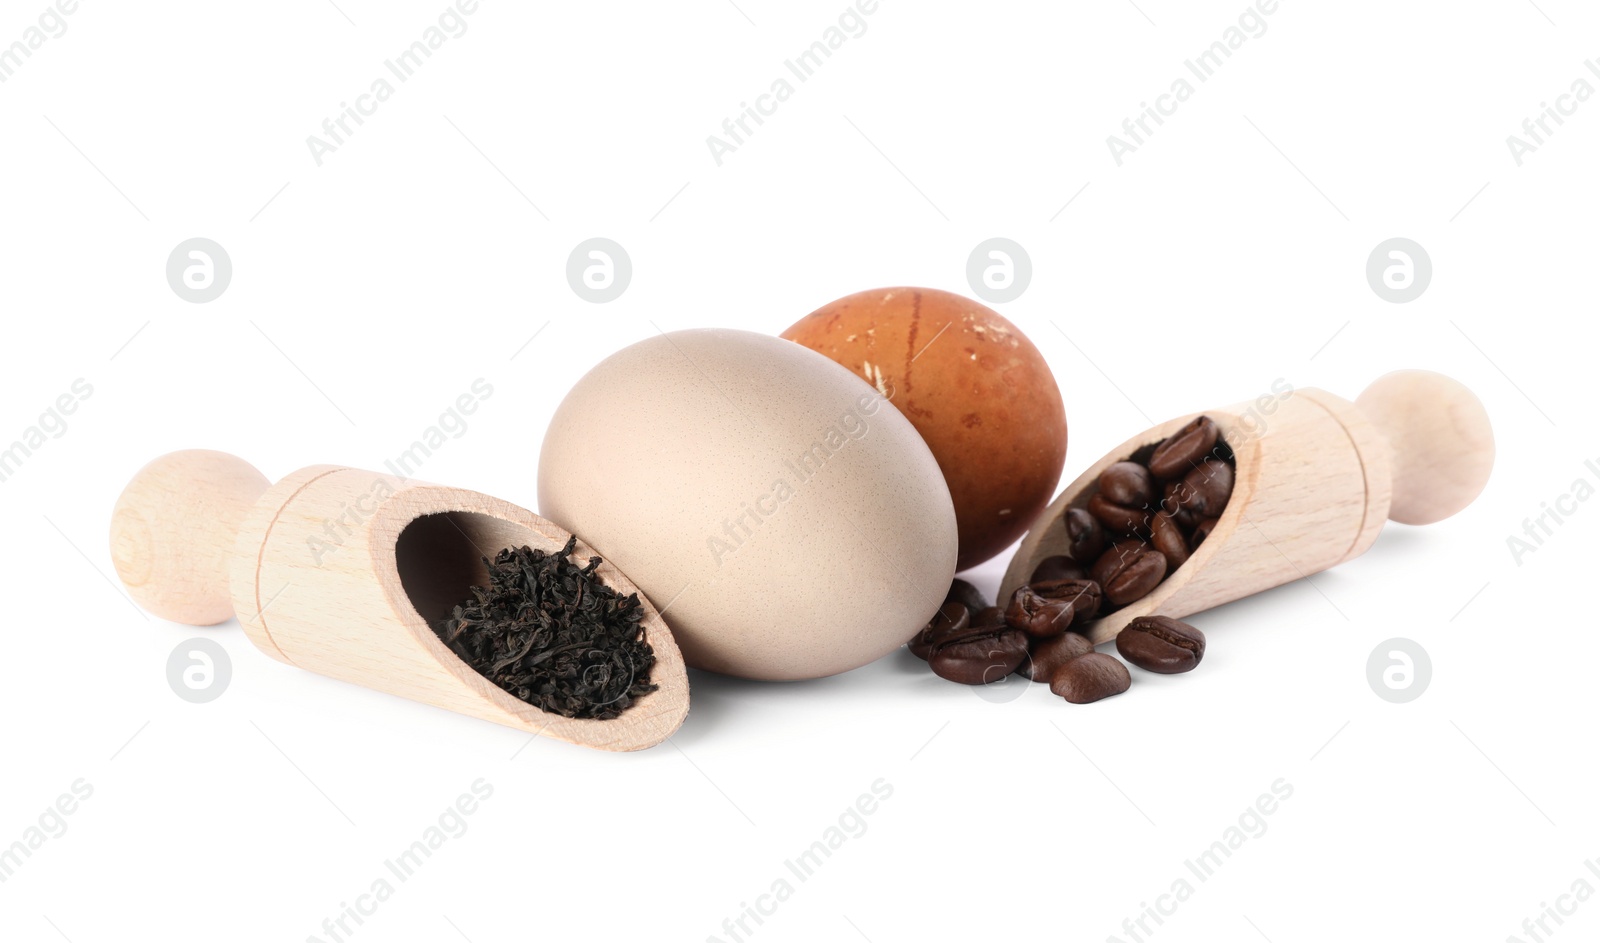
(342, 572)
(1315, 478)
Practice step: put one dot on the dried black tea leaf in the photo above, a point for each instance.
(552, 634)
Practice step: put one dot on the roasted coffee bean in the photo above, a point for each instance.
(1117, 518)
(1212, 485)
(1151, 536)
(1086, 539)
(1128, 484)
(1047, 656)
(951, 619)
(1167, 538)
(989, 616)
(1058, 568)
(1171, 499)
(1185, 518)
(1184, 449)
(1116, 557)
(1135, 579)
(1202, 530)
(967, 595)
(1179, 497)
(982, 655)
(1162, 645)
(1086, 596)
(1045, 610)
(1039, 616)
(1172, 505)
(1089, 678)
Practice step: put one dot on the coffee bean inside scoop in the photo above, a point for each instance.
(1146, 515)
(1184, 449)
(1086, 538)
(1128, 484)
(1047, 609)
(1058, 568)
(1127, 571)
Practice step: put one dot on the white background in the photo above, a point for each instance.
(1225, 253)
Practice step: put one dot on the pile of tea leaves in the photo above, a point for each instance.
(552, 634)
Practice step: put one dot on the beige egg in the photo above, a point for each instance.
(786, 519)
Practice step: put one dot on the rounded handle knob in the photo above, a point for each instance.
(173, 531)
(1440, 440)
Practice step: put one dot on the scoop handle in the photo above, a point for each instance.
(1441, 443)
(173, 533)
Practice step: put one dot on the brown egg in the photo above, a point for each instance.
(978, 390)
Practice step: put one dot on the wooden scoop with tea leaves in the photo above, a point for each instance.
(437, 594)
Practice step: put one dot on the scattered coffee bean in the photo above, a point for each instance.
(1058, 568)
(968, 595)
(982, 655)
(1089, 678)
(1212, 484)
(1184, 449)
(951, 618)
(1117, 518)
(1128, 484)
(1161, 644)
(1045, 610)
(1051, 654)
(1086, 539)
(1167, 538)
